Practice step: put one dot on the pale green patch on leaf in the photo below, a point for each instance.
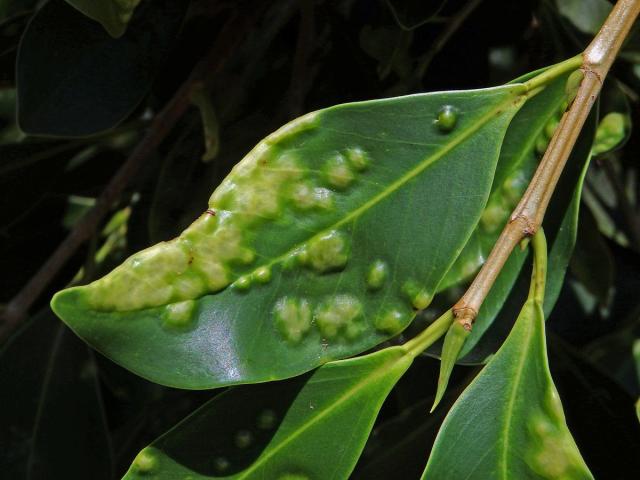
(319, 245)
(113, 15)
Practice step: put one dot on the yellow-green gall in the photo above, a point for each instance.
(292, 318)
(391, 321)
(338, 172)
(243, 283)
(263, 274)
(550, 127)
(572, 85)
(419, 296)
(358, 158)
(610, 133)
(377, 275)
(327, 252)
(179, 314)
(146, 461)
(447, 118)
(338, 312)
(243, 438)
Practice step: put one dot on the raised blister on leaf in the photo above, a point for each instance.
(611, 131)
(330, 233)
(447, 118)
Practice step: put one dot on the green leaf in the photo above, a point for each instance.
(592, 262)
(586, 15)
(319, 245)
(113, 15)
(594, 402)
(52, 418)
(561, 226)
(313, 426)
(509, 422)
(453, 343)
(75, 80)
(516, 165)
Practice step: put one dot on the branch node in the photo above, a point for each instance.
(465, 316)
(529, 227)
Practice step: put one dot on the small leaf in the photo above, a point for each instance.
(113, 15)
(594, 402)
(210, 124)
(320, 244)
(453, 343)
(586, 15)
(308, 427)
(75, 80)
(509, 422)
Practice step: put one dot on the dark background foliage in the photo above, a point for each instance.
(85, 100)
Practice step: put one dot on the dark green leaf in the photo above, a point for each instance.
(51, 416)
(74, 79)
(518, 160)
(592, 262)
(509, 422)
(586, 15)
(349, 216)
(113, 15)
(313, 426)
(595, 403)
(561, 226)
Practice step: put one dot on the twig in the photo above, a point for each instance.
(441, 40)
(229, 37)
(529, 213)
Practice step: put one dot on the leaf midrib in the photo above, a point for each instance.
(501, 108)
(512, 393)
(377, 373)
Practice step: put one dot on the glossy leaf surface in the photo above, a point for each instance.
(313, 426)
(320, 244)
(113, 15)
(519, 157)
(75, 80)
(509, 422)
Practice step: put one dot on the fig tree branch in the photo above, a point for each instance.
(529, 213)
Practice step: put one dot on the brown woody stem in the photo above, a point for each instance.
(529, 213)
